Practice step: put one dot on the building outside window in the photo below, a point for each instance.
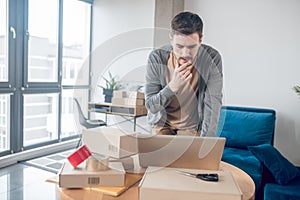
(76, 49)
(4, 97)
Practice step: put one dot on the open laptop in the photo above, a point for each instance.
(181, 151)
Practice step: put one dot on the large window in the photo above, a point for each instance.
(75, 62)
(42, 34)
(4, 96)
(4, 122)
(41, 89)
(3, 41)
(44, 46)
(76, 41)
(40, 118)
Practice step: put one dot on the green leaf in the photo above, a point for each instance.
(111, 82)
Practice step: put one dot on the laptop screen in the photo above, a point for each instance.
(180, 151)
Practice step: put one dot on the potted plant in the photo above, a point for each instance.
(111, 84)
(297, 89)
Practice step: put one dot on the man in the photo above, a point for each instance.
(184, 82)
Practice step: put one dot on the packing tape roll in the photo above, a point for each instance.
(97, 164)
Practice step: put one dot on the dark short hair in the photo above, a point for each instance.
(186, 23)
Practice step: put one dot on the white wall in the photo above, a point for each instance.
(260, 44)
(122, 39)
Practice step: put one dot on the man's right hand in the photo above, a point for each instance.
(181, 76)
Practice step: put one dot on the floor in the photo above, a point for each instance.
(23, 182)
(27, 180)
(51, 163)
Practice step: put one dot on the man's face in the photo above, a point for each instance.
(185, 47)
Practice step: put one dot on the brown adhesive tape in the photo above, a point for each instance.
(97, 164)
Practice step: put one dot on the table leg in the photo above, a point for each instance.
(134, 124)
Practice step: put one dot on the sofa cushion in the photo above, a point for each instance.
(282, 170)
(244, 127)
(247, 162)
(289, 191)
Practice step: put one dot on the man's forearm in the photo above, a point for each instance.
(157, 99)
(157, 95)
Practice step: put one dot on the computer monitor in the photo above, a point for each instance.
(180, 151)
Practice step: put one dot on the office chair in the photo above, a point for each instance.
(85, 122)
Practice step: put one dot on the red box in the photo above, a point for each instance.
(79, 156)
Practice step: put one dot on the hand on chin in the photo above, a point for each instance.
(181, 61)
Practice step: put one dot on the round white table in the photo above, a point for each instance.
(244, 181)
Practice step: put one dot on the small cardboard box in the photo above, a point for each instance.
(166, 183)
(128, 94)
(135, 95)
(112, 142)
(128, 101)
(119, 94)
(79, 177)
(129, 110)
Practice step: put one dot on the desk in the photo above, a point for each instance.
(121, 110)
(244, 181)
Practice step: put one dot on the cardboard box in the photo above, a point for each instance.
(79, 177)
(166, 183)
(135, 95)
(112, 142)
(129, 110)
(119, 94)
(128, 94)
(128, 101)
(127, 162)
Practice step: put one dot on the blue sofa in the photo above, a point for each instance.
(249, 134)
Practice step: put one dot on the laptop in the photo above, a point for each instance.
(180, 151)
